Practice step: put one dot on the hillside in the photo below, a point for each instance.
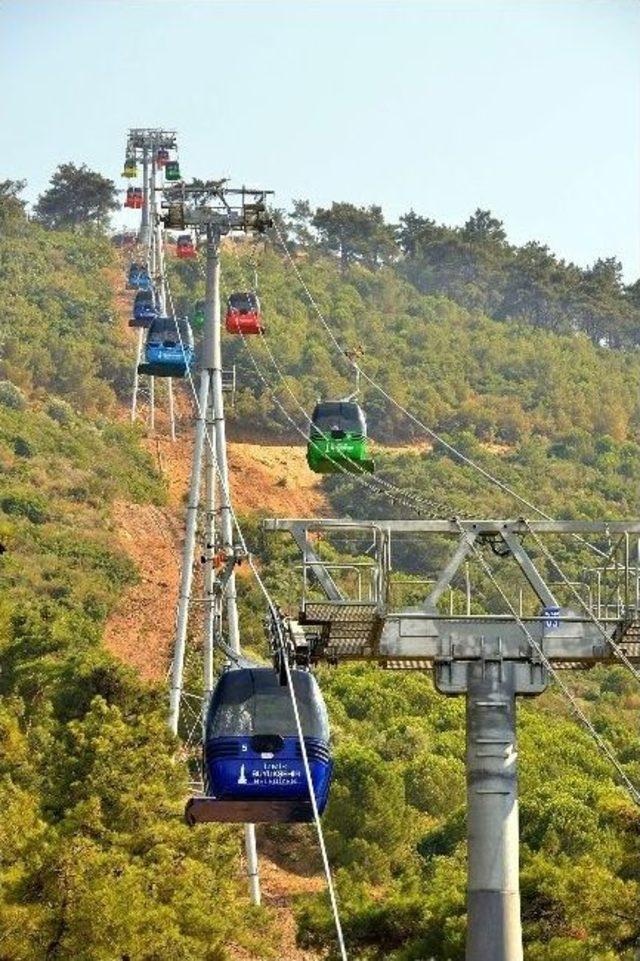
(562, 413)
(95, 857)
(96, 861)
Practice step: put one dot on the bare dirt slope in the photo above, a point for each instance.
(140, 630)
(271, 479)
(280, 888)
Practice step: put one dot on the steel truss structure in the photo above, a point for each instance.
(213, 211)
(348, 612)
(143, 144)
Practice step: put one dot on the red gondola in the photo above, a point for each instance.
(162, 157)
(184, 247)
(137, 198)
(128, 200)
(243, 314)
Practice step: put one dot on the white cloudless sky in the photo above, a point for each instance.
(528, 107)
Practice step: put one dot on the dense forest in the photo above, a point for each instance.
(529, 366)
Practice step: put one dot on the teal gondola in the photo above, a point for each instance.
(169, 350)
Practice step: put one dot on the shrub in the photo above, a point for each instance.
(31, 506)
(11, 396)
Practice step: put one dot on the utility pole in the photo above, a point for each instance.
(491, 659)
(212, 613)
(154, 267)
(136, 375)
(217, 211)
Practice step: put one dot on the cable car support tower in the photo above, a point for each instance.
(143, 144)
(491, 658)
(213, 211)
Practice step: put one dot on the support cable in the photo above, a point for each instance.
(505, 488)
(408, 497)
(312, 793)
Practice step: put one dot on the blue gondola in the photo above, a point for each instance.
(169, 348)
(138, 278)
(144, 280)
(253, 767)
(144, 309)
(134, 273)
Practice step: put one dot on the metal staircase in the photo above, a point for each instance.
(347, 630)
(627, 636)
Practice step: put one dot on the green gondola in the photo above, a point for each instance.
(197, 321)
(130, 168)
(172, 170)
(338, 439)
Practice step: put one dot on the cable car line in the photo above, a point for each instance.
(407, 496)
(283, 642)
(276, 619)
(603, 746)
(419, 423)
(216, 766)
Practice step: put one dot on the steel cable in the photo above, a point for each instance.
(416, 420)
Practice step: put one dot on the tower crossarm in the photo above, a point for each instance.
(447, 625)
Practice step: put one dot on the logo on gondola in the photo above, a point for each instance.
(242, 779)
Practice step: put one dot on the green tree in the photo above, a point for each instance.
(11, 204)
(301, 220)
(483, 226)
(77, 197)
(414, 229)
(356, 233)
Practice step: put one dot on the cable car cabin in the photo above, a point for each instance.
(137, 198)
(172, 170)
(252, 759)
(169, 348)
(162, 157)
(134, 272)
(198, 315)
(184, 247)
(144, 309)
(338, 439)
(243, 314)
(128, 200)
(144, 280)
(139, 278)
(130, 168)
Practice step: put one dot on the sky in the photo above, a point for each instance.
(530, 108)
